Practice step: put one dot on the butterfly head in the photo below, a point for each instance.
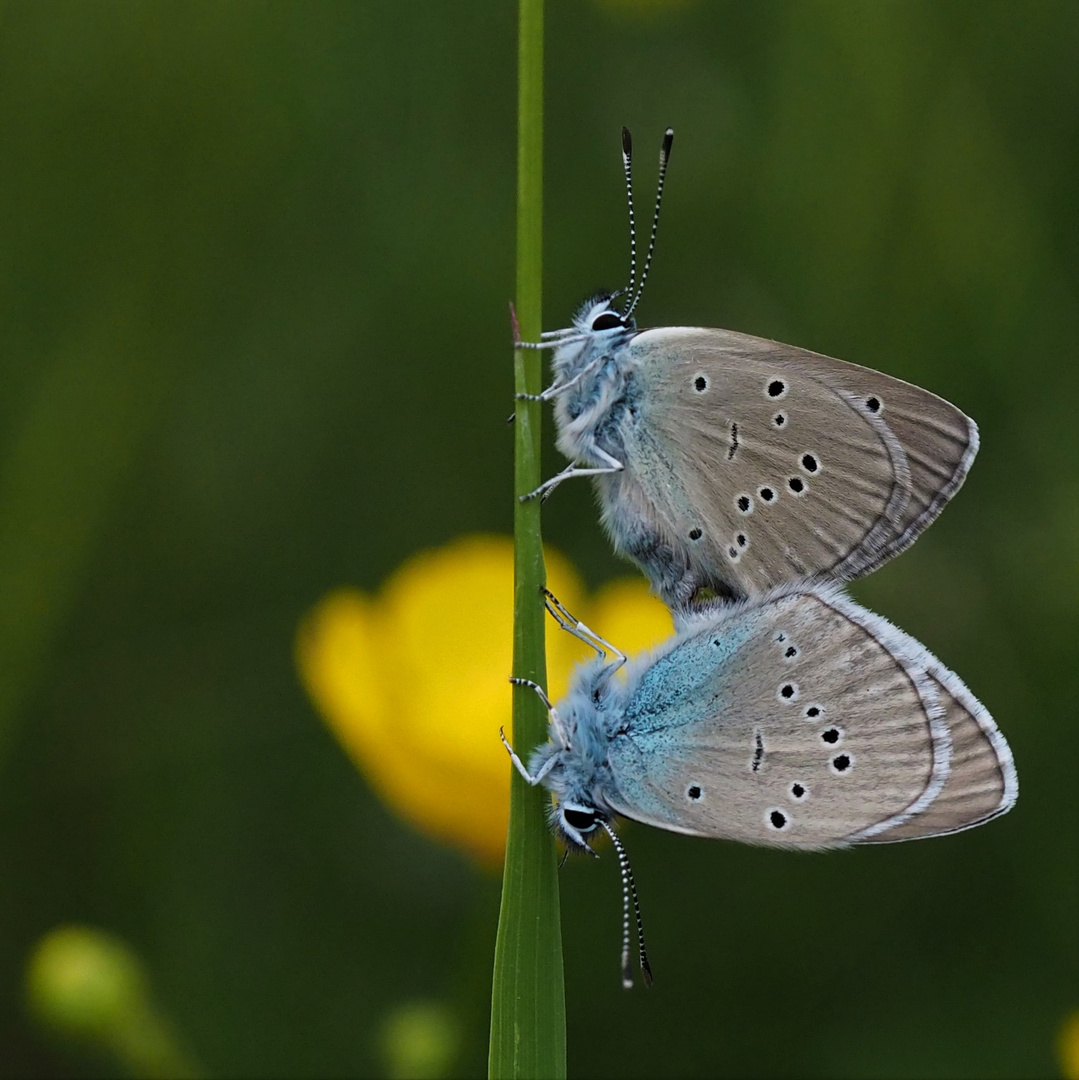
(598, 317)
(575, 822)
(598, 330)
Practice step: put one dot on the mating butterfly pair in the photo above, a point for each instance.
(748, 480)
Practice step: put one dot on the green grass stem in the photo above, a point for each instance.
(528, 1007)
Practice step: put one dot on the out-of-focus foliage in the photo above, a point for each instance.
(254, 348)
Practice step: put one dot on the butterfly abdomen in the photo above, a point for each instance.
(635, 533)
(640, 532)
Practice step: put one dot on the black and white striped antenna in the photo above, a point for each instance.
(629, 889)
(664, 157)
(627, 167)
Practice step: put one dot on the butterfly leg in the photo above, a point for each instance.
(572, 625)
(519, 765)
(534, 686)
(557, 388)
(613, 465)
(561, 736)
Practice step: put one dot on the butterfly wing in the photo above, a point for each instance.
(751, 463)
(981, 783)
(797, 721)
(939, 441)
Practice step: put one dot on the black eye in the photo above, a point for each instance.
(607, 321)
(580, 820)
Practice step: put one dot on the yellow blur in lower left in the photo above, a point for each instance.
(89, 987)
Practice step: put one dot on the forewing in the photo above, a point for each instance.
(939, 441)
(765, 464)
(787, 722)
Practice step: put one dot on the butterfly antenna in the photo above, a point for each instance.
(627, 166)
(664, 157)
(629, 889)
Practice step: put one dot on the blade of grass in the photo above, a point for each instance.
(528, 1007)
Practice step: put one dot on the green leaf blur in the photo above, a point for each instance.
(254, 269)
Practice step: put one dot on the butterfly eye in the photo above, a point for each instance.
(607, 321)
(581, 820)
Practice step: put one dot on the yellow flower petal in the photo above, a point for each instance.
(628, 615)
(414, 683)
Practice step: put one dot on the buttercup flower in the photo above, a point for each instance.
(413, 682)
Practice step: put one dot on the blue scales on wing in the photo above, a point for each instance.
(791, 722)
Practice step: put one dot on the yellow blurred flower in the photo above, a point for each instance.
(413, 682)
(88, 985)
(1068, 1046)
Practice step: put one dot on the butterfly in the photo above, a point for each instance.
(797, 719)
(727, 464)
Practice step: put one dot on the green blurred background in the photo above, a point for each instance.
(254, 267)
